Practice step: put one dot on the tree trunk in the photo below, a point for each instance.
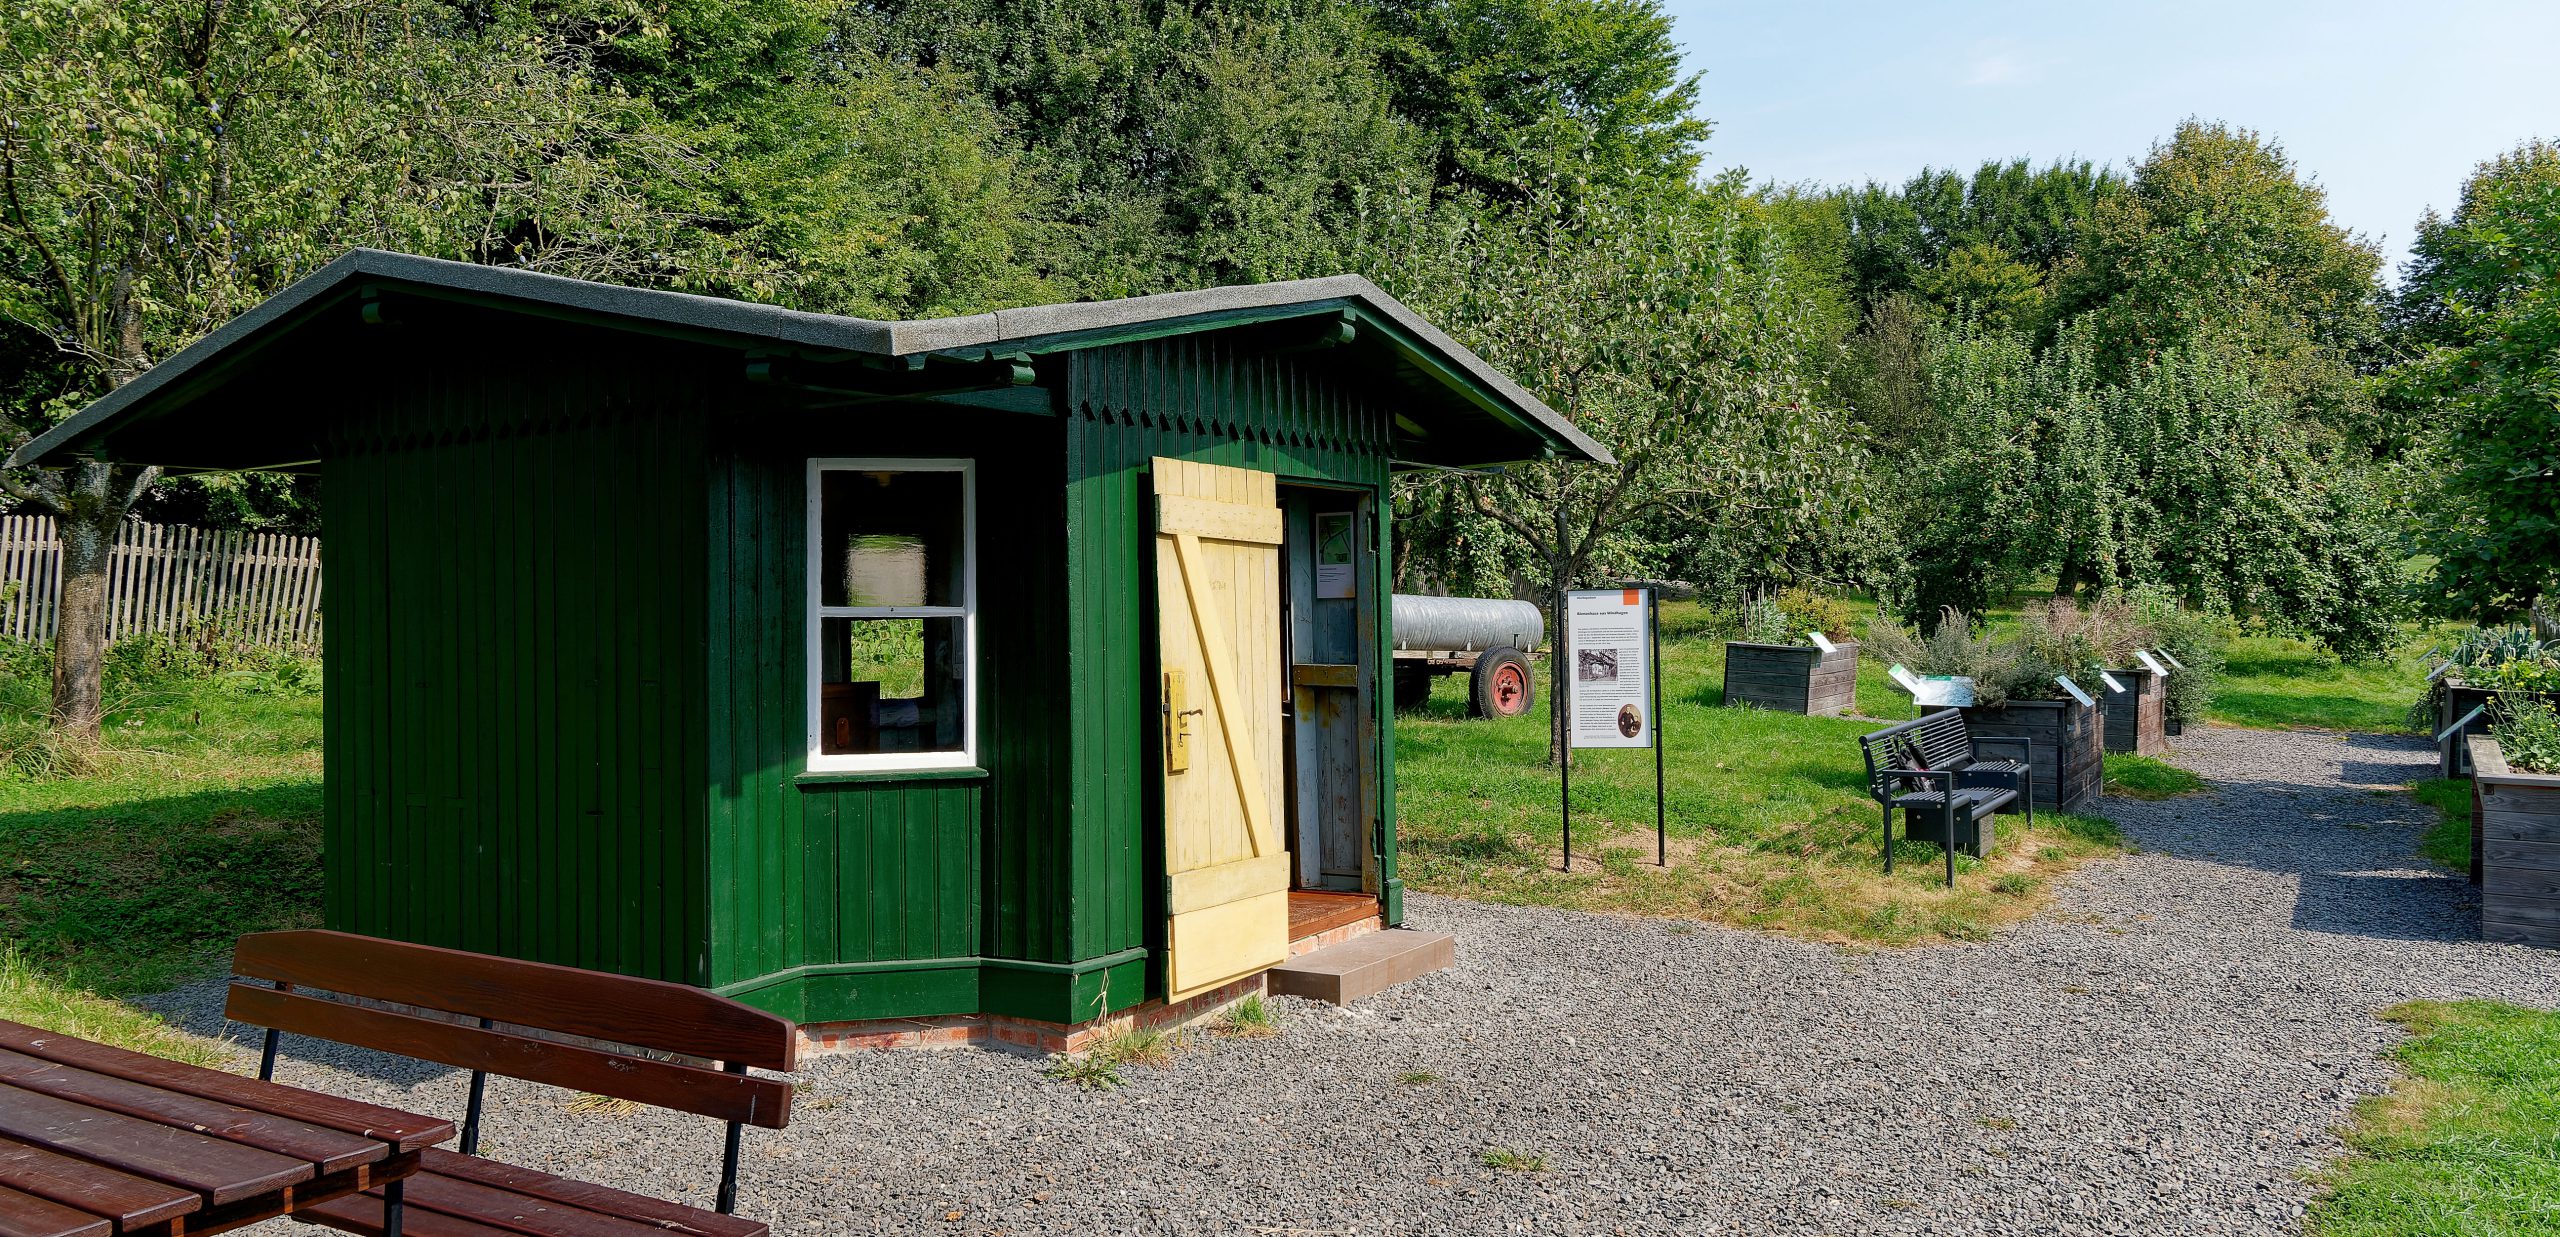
(80, 626)
(89, 501)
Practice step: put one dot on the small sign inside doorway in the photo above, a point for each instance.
(1335, 556)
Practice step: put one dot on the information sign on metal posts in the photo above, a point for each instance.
(1612, 667)
(2083, 697)
(2113, 684)
(1822, 642)
(1612, 695)
(2152, 663)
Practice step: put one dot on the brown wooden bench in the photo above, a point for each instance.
(643, 1040)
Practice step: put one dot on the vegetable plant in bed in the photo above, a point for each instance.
(1778, 664)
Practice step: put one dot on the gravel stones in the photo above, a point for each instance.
(2166, 1051)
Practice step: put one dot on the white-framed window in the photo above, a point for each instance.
(893, 614)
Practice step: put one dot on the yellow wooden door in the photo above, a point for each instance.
(1218, 533)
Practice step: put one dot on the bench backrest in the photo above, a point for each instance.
(644, 1040)
(1936, 740)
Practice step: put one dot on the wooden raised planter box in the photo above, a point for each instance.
(2070, 739)
(2515, 847)
(1792, 678)
(2458, 700)
(2138, 716)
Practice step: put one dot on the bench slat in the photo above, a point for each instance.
(131, 1201)
(221, 1171)
(405, 1131)
(644, 1013)
(25, 1215)
(711, 1093)
(670, 1216)
(328, 1150)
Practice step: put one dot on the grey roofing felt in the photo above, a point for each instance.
(1024, 329)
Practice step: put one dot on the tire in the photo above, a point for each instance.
(1501, 684)
(1413, 685)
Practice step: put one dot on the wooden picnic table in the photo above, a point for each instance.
(97, 1141)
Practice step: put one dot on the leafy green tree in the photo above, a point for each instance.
(1981, 280)
(1198, 143)
(164, 167)
(2483, 296)
(1510, 92)
(2230, 500)
(2219, 235)
(2029, 216)
(1655, 321)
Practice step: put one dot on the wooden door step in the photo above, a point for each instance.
(1364, 966)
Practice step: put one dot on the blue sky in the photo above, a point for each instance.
(2388, 106)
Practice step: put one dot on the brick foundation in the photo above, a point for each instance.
(1026, 1035)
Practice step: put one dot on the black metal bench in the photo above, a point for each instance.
(1959, 789)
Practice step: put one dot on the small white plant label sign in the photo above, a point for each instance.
(2173, 659)
(2154, 663)
(2110, 680)
(1822, 642)
(1900, 674)
(2439, 671)
(2067, 685)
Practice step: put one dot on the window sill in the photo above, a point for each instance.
(834, 777)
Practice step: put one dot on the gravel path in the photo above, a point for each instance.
(2164, 1053)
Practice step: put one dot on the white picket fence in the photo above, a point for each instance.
(169, 578)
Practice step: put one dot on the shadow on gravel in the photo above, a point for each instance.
(2407, 906)
(2354, 853)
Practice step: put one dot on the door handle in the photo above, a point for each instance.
(1177, 724)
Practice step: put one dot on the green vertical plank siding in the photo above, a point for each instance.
(569, 698)
(510, 664)
(819, 885)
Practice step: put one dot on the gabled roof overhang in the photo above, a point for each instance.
(856, 359)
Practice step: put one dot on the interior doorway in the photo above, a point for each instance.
(1328, 650)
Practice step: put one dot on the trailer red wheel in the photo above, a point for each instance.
(1502, 686)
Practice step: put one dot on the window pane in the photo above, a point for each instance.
(890, 538)
(890, 685)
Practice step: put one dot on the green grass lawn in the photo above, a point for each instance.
(2279, 683)
(2447, 842)
(1770, 824)
(2467, 1144)
(200, 821)
(2146, 777)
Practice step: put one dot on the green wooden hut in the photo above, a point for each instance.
(1020, 666)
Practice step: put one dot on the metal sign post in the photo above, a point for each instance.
(1661, 834)
(1561, 724)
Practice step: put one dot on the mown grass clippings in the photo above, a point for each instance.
(1769, 821)
(589, 1104)
(2464, 1143)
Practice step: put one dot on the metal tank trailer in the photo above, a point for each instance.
(1490, 640)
